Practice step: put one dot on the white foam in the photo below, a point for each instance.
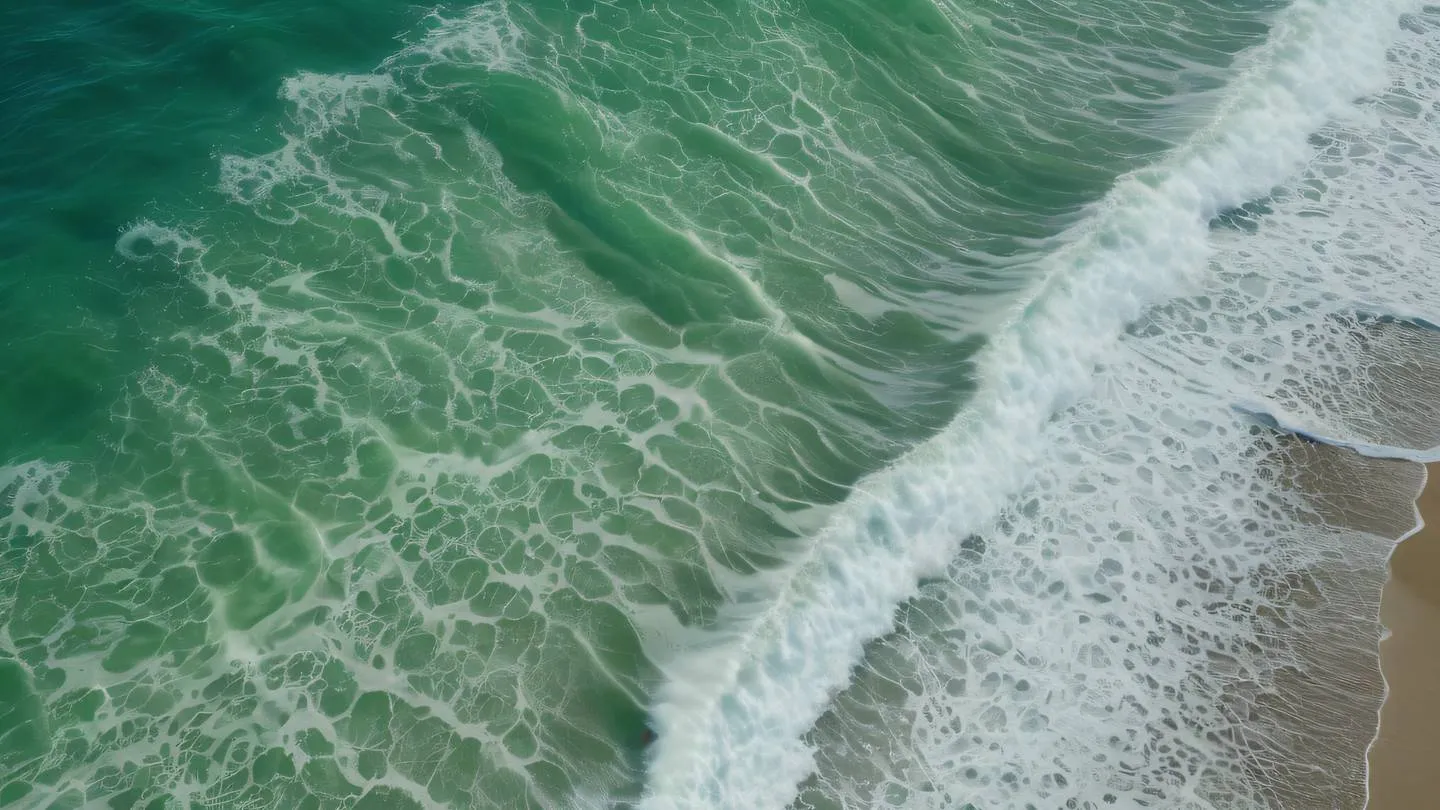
(731, 719)
(319, 103)
(145, 240)
(484, 36)
(27, 490)
(322, 101)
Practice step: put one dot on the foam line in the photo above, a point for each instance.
(1369, 449)
(731, 718)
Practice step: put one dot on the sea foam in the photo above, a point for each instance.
(737, 721)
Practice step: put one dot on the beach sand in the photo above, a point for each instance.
(1405, 759)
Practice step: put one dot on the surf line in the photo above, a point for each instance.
(730, 717)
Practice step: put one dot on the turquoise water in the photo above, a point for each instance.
(406, 407)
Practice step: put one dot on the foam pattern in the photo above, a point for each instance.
(469, 403)
(422, 456)
(1131, 603)
(1180, 609)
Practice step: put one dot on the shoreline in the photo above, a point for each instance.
(1401, 761)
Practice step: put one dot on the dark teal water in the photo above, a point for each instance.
(388, 391)
(111, 110)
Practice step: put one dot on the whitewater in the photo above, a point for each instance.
(960, 405)
(1102, 531)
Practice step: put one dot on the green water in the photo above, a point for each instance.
(387, 389)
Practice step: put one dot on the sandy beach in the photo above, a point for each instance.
(1405, 759)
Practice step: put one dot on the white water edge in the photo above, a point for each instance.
(733, 719)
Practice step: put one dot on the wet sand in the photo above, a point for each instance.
(1405, 759)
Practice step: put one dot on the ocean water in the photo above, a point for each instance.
(931, 404)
